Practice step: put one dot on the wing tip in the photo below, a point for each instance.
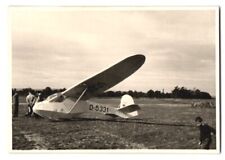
(140, 57)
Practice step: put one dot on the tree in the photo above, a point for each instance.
(175, 92)
(47, 92)
(157, 94)
(150, 93)
(186, 93)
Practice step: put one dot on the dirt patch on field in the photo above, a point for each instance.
(36, 139)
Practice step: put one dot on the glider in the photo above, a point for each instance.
(74, 101)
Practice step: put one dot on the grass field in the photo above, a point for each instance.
(162, 124)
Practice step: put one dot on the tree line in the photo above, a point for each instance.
(177, 92)
(44, 92)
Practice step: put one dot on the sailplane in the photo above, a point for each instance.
(75, 101)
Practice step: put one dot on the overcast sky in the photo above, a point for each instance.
(59, 47)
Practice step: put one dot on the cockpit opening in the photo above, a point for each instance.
(57, 97)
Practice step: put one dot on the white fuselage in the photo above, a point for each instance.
(68, 108)
(58, 110)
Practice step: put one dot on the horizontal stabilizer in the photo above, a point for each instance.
(130, 108)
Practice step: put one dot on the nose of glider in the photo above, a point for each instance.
(37, 107)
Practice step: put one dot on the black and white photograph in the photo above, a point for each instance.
(105, 79)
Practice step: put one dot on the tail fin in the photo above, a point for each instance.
(128, 107)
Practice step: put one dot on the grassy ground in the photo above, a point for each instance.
(169, 125)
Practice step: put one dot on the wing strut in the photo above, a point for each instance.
(78, 99)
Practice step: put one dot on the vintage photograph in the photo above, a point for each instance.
(137, 79)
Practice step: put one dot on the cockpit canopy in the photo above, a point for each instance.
(57, 97)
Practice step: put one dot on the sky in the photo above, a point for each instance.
(61, 46)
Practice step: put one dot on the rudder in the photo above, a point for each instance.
(128, 107)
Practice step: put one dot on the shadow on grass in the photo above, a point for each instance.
(136, 121)
(112, 119)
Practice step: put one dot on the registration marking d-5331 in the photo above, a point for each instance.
(98, 108)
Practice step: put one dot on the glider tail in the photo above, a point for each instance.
(127, 107)
(130, 111)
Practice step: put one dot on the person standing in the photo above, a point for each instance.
(206, 132)
(15, 103)
(30, 99)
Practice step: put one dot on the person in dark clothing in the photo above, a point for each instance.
(39, 97)
(15, 103)
(206, 132)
